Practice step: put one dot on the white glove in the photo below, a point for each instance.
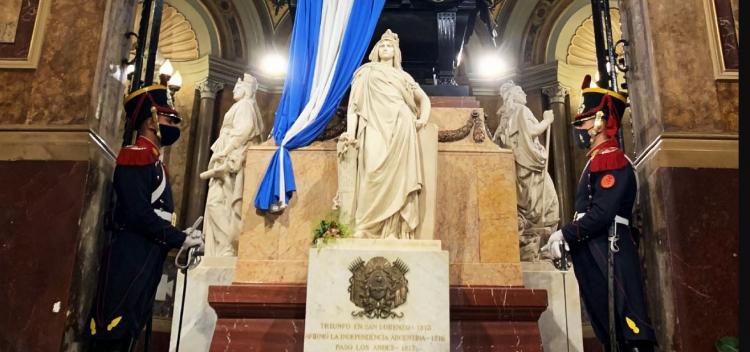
(194, 239)
(553, 245)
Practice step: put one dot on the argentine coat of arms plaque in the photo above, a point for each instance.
(378, 287)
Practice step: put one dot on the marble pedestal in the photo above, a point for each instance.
(199, 319)
(271, 317)
(475, 220)
(560, 324)
(475, 215)
(336, 317)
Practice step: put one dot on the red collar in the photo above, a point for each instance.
(604, 147)
(607, 156)
(144, 142)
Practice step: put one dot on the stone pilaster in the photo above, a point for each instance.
(560, 145)
(197, 188)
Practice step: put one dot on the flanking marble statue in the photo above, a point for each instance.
(519, 130)
(242, 126)
(381, 173)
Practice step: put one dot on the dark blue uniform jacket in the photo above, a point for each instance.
(607, 189)
(131, 264)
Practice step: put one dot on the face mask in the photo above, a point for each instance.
(169, 134)
(582, 138)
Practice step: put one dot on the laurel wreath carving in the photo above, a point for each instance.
(473, 124)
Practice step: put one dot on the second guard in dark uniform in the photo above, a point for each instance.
(599, 238)
(144, 230)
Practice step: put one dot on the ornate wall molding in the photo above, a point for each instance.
(723, 38)
(719, 151)
(23, 47)
(44, 145)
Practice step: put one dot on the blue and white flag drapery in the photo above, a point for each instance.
(328, 42)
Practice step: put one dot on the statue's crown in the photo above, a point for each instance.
(388, 35)
(506, 87)
(248, 78)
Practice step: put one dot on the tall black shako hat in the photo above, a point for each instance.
(612, 105)
(139, 104)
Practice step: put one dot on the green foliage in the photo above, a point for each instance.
(728, 344)
(330, 229)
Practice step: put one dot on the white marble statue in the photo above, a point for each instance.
(519, 130)
(386, 110)
(242, 126)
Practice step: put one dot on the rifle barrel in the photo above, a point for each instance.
(136, 82)
(601, 51)
(154, 42)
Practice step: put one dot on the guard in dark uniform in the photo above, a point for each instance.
(599, 238)
(144, 230)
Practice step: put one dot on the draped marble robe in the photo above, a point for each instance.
(241, 127)
(389, 172)
(519, 130)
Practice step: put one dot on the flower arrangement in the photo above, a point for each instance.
(329, 230)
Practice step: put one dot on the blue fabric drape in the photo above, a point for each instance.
(299, 79)
(361, 24)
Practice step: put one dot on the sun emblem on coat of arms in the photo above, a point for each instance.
(378, 287)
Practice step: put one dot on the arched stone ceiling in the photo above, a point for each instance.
(537, 28)
(581, 50)
(565, 26)
(252, 19)
(177, 39)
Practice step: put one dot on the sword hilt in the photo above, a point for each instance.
(193, 256)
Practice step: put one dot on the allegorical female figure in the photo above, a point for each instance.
(519, 130)
(386, 108)
(242, 127)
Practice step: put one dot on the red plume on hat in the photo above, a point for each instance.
(612, 104)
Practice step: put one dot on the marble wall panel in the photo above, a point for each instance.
(97, 193)
(689, 97)
(461, 194)
(671, 80)
(110, 78)
(686, 209)
(178, 156)
(54, 93)
(642, 80)
(729, 109)
(40, 208)
(287, 236)
(696, 213)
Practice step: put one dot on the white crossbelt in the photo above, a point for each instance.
(618, 219)
(163, 214)
(162, 186)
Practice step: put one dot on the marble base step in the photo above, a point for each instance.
(270, 317)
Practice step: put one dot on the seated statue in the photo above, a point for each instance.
(242, 126)
(386, 109)
(519, 130)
